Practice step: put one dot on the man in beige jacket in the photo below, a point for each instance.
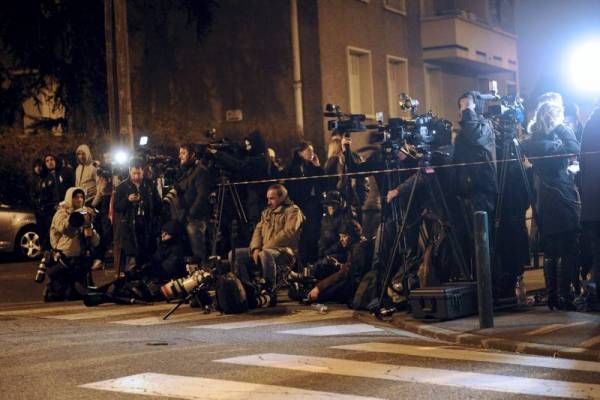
(275, 238)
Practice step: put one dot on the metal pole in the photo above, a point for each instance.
(484, 275)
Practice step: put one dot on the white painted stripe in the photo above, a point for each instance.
(470, 380)
(194, 315)
(40, 310)
(553, 328)
(590, 342)
(95, 312)
(470, 355)
(331, 330)
(184, 387)
(302, 316)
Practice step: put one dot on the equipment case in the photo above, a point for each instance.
(450, 301)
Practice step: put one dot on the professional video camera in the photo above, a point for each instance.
(343, 123)
(425, 132)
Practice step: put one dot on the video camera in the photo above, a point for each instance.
(424, 132)
(343, 123)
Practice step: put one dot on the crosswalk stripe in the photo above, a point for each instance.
(42, 310)
(301, 316)
(194, 315)
(195, 388)
(553, 328)
(94, 312)
(470, 355)
(590, 342)
(471, 380)
(332, 330)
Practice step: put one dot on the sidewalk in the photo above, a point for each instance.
(533, 330)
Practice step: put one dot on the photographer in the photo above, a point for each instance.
(85, 173)
(557, 201)
(138, 208)
(339, 273)
(336, 216)
(253, 164)
(275, 239)
(73, 237)
(193, 189)
(101, 202)
(475, 143)
(54, 182)
(340, 157)
(306, 194)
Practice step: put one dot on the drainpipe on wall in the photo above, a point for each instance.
(297, 73)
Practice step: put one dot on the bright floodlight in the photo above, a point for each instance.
(585, 67)
(121, 157)
(143, 140)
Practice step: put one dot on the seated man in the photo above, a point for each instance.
(274, 241)
(340, 272)
(73, 237)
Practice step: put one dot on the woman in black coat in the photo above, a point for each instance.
(557, 204)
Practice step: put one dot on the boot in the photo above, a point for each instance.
(551, 282)
(564, 275)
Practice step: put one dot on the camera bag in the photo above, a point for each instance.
(231, 295)
(449, 301)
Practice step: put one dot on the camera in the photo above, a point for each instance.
(343, 123)
(80, 219)
(197, 280)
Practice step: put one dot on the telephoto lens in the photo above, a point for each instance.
(40, 275)
(182, 287)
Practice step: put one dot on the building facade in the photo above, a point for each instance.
(273, 64)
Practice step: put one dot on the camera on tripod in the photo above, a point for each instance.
(343, 123)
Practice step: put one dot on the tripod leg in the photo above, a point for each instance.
(172, 310)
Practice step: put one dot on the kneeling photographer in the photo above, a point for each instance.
(338, 274)
(143, 283)
(72, 238)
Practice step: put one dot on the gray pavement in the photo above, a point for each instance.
(67, 351)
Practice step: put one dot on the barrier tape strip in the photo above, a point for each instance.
(385, 171)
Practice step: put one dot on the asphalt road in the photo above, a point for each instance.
(67, 351)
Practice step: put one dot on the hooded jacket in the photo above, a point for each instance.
(64, 237)
(85, 174)
(279, 228)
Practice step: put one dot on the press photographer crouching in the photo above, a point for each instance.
(72, 238)
(338, 274)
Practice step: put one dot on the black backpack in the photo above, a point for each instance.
(231, 295)
(368, 291)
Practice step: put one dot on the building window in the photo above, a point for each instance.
(396, 6)
(397, 79)
(434, 93)
(360, 80)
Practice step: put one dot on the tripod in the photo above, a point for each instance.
(424, 177)
(225, 187)
(510, 149)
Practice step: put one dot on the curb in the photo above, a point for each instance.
(483, 341)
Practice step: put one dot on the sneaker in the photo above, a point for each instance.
(97, 265)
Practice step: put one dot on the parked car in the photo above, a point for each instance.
(19, 231)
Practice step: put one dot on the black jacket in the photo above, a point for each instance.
(305, 193)
(590, 169)
(193, 190)
(475, 143)
(557, 204)
(128, 215)
(52, 188)
(330, 230)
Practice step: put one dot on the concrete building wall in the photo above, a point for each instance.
(368, 26)
(181, 87)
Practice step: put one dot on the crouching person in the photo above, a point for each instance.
(339, 273)
(72, 238)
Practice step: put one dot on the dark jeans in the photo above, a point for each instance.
(592, 231)
(270, 259)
